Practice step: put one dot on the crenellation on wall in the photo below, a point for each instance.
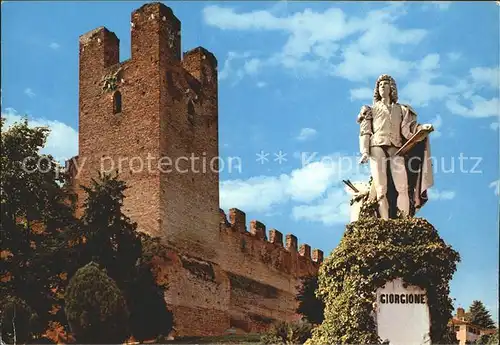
(317, 256)
(201, 64)
(291, 243)
(305, 251)
(267, 249)
(237, 218)
(258, 229)
(276, 237)
(224, 224)
(155, 34)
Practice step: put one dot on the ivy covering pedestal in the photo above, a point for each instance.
(372, 252)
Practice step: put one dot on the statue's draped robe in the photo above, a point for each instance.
(420, 175)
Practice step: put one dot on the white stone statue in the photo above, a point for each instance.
(384, 128)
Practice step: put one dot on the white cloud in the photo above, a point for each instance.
(314, 190)
(494, 126)
(331, 43)
(314, 38)
(422, 89)
(477, 106)
(454, 56)
(486, 76)
(227, 68)
(421, 92)
(257, 194)
(252, 66)
(332, 210)
(442, 5)
(436, 123)
(363, 93)
(62, 142)
(54, 45)
(261, 84)
(468, 103)
(496, 187)
(306, 133)
(310, 182)
(29, 92)
(436, 194)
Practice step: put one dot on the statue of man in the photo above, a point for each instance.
(384, 128)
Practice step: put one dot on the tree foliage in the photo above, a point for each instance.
(372, 252)
(488, 339)
(44, 244)
(289, 333)
(479, 315)
(310, 306)
(150, 316)
(95, 307)
(109, 238)
(36, 210)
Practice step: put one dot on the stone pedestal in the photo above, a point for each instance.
(402, 314)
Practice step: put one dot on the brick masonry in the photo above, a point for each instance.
(143, 117)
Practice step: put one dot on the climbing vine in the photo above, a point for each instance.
(110, 81)
(372, 252)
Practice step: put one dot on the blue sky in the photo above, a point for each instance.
(292, 77)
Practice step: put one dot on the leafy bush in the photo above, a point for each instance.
(488, 339)
(95, 307)
(372, 252)
(291, 333)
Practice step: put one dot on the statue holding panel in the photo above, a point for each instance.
(397, 149)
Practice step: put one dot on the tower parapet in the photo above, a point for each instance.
(156, 34)
(144, 116)
(201, 64)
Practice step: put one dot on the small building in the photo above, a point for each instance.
(467, 332)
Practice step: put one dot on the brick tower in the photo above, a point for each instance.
(154, 118)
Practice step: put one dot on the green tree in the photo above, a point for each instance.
(95, 307)
(310, 306)
(150, 316)
(109, 238)
(479, 315)
(35, 209)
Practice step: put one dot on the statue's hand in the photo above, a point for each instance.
(427, 127)
(364, 158)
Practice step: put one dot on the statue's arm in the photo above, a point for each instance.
(365, 129)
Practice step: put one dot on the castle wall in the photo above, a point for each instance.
(253, 284)
(263, 271)
(155, 118)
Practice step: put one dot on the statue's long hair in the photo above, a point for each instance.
(394, 90)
